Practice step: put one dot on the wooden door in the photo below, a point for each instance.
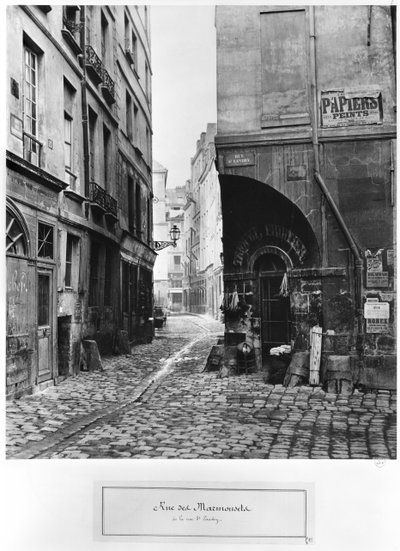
(44, 323)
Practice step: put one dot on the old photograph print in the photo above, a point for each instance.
(200, 252)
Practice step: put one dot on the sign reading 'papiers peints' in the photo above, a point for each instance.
(351, 107)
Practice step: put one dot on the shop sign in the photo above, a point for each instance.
(376, 310)
(349, 107)
(377, 279)
(239, 159)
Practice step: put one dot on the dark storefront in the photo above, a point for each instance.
(288, 265)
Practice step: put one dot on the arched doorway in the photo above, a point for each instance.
(271, 273)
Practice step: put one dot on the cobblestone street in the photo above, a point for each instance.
(158, 402)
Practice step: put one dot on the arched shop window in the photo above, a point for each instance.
(16, 234)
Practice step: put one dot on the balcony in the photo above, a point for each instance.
(102, 201)
(99, 74)
(71, 32)
(108, 87)
(94, 65)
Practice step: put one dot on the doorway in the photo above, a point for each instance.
(274, 305)
(44, 326)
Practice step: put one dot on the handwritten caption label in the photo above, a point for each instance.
(199, 508)
(186, 512)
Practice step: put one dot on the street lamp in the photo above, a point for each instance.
(174, 233)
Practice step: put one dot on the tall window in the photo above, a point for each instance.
(104, 38)
(92, 143)
(68, 144)
(126, 32)
(106, 154)
(69, 98)
(134, 46)
(71, 20)
(31, 145)
(128, 108)
(177, 261)
(135, 123)
(130, 41)
(68, 261)
(138, 208)
(131, 204)
(147, 81)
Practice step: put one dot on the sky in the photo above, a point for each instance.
(183, 47)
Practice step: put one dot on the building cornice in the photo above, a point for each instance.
(280, 136)
(35, 173)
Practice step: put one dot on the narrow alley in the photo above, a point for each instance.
(158, 402)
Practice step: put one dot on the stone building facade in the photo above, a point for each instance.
(167, 212)
(306, 158)
(79, 190)
(203, 231)
(175, 201)
(161, 233)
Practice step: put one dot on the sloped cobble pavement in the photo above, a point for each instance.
(127, 411)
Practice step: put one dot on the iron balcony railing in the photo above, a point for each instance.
(94, 64)
(100, 74)
(108, 87)
(72, 26)
(111, 204)
(99, 196)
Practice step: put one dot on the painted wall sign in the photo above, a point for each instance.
(377, 279)
(376, 310)
(296, 172)
(377, 326)
(374, 260)
(239, 159)
(348, 107)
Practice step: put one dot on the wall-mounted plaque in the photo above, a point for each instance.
(239, 159)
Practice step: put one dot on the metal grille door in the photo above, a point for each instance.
(275, 313)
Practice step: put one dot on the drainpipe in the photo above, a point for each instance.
(394, 39)
(358, 261)
(84, 102)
